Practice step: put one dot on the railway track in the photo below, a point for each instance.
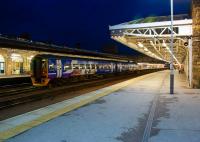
(29, 94)
(14, 91)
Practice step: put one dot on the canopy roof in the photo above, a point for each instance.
(158, 19)
(151, 36)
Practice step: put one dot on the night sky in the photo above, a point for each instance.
(68, 22)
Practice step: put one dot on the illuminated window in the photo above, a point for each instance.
(82, 66)
(51, 67)
(93, 66)
(17, 64)
(2, 58)
(2, 65)
(67, 67)
(16, 57)
(75, 66)
(87, 66)
(30, 57)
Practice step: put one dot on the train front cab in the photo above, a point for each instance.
(39, 67)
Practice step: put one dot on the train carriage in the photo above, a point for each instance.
(47, 68)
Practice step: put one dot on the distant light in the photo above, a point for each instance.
(146, 50)
(140, 44)
(2, 58)
(30, 57)
(164, 44)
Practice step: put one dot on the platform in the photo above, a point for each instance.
(140, 109)
(13, 76)
(9, 80)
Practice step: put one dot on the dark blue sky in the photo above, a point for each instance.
(71, 21)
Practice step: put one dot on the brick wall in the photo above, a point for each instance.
(196, 43)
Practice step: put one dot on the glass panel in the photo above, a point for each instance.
(87, 66)
(82, 66)
(93, 66)
(98, 66)
(1, 58)
(67, 67)
(44, 67)
(2, 68)
(75, 66)
(51, 67)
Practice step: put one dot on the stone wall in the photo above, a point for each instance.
(196, 43)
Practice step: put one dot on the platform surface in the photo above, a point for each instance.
(122, 113)
(13, 76)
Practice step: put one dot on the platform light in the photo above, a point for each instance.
(2, 58)
(145, 49)
(169, 50)
(140, 44)
(30, 57)
(164, 44)
(151, 42)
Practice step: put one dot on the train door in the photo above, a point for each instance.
(59, 68)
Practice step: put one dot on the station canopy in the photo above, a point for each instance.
(151, 36)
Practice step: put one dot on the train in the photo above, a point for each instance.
(47, 68)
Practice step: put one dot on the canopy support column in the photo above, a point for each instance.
(190, 61)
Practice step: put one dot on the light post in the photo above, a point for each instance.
(172, 53)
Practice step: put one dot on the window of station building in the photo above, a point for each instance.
(67, 67)
(16, 57)
(2, 65)
(2, 68)
(17, 64)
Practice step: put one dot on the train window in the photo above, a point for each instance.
(75, 66)
(97, 66)
(93, 66)
(87, 66)
(82, 66)
(44, 65)
(67, 67)
(51, 67)
(107, 67)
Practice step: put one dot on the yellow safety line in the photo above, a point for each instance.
(28, 125)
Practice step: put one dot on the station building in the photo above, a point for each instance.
(15, 62)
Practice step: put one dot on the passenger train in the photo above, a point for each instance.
(46, 68)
